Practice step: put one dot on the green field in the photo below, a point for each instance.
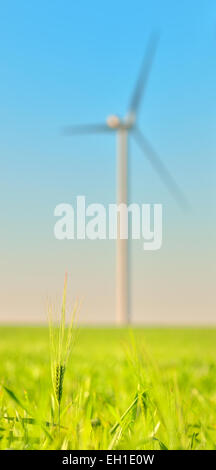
(139, 389)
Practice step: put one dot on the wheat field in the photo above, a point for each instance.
(141, 388)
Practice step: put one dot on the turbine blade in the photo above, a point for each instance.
(85, 129)
(143, 76)
(161, 169)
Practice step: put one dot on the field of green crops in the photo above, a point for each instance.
(123, 389)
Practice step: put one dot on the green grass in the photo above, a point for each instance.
(149, 389)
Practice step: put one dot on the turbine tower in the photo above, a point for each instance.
(124, 127)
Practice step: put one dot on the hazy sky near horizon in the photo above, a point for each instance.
(66, 62)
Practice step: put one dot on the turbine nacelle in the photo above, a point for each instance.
(114, 122)
(130, 119)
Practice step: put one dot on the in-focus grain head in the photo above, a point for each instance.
(59, 378)
(61, 341)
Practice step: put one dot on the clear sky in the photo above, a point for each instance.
(66, 62)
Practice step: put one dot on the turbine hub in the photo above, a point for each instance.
(113, 121)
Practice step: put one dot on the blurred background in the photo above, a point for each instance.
(65, 62)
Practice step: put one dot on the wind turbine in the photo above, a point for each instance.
(124, 127)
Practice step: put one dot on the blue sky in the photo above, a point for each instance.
(69, 62)
(66, 62)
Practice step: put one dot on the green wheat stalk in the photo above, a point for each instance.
(61, 341)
